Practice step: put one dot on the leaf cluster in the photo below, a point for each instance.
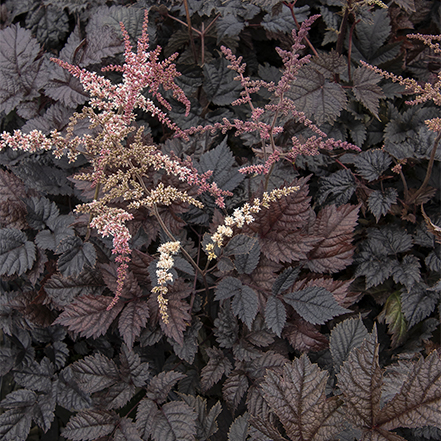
(297, 172)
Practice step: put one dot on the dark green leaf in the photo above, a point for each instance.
(315, 304)
(393, 315)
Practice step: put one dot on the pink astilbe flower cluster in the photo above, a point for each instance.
(284, 107)
(110, 222)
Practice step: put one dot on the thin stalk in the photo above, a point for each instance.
(351, 32)
(291, 7)
(190, 33)
(429, 169)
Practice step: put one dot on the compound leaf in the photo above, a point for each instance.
(17, 254)
(315, 304)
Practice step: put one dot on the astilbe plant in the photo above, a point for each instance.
(121, 166)
(274, 271)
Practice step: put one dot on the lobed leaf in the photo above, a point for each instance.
(17, 254)
(380, 202)
(77, 256)
(418, 302)
(318, 97)
(298, 398)
(366, 89)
